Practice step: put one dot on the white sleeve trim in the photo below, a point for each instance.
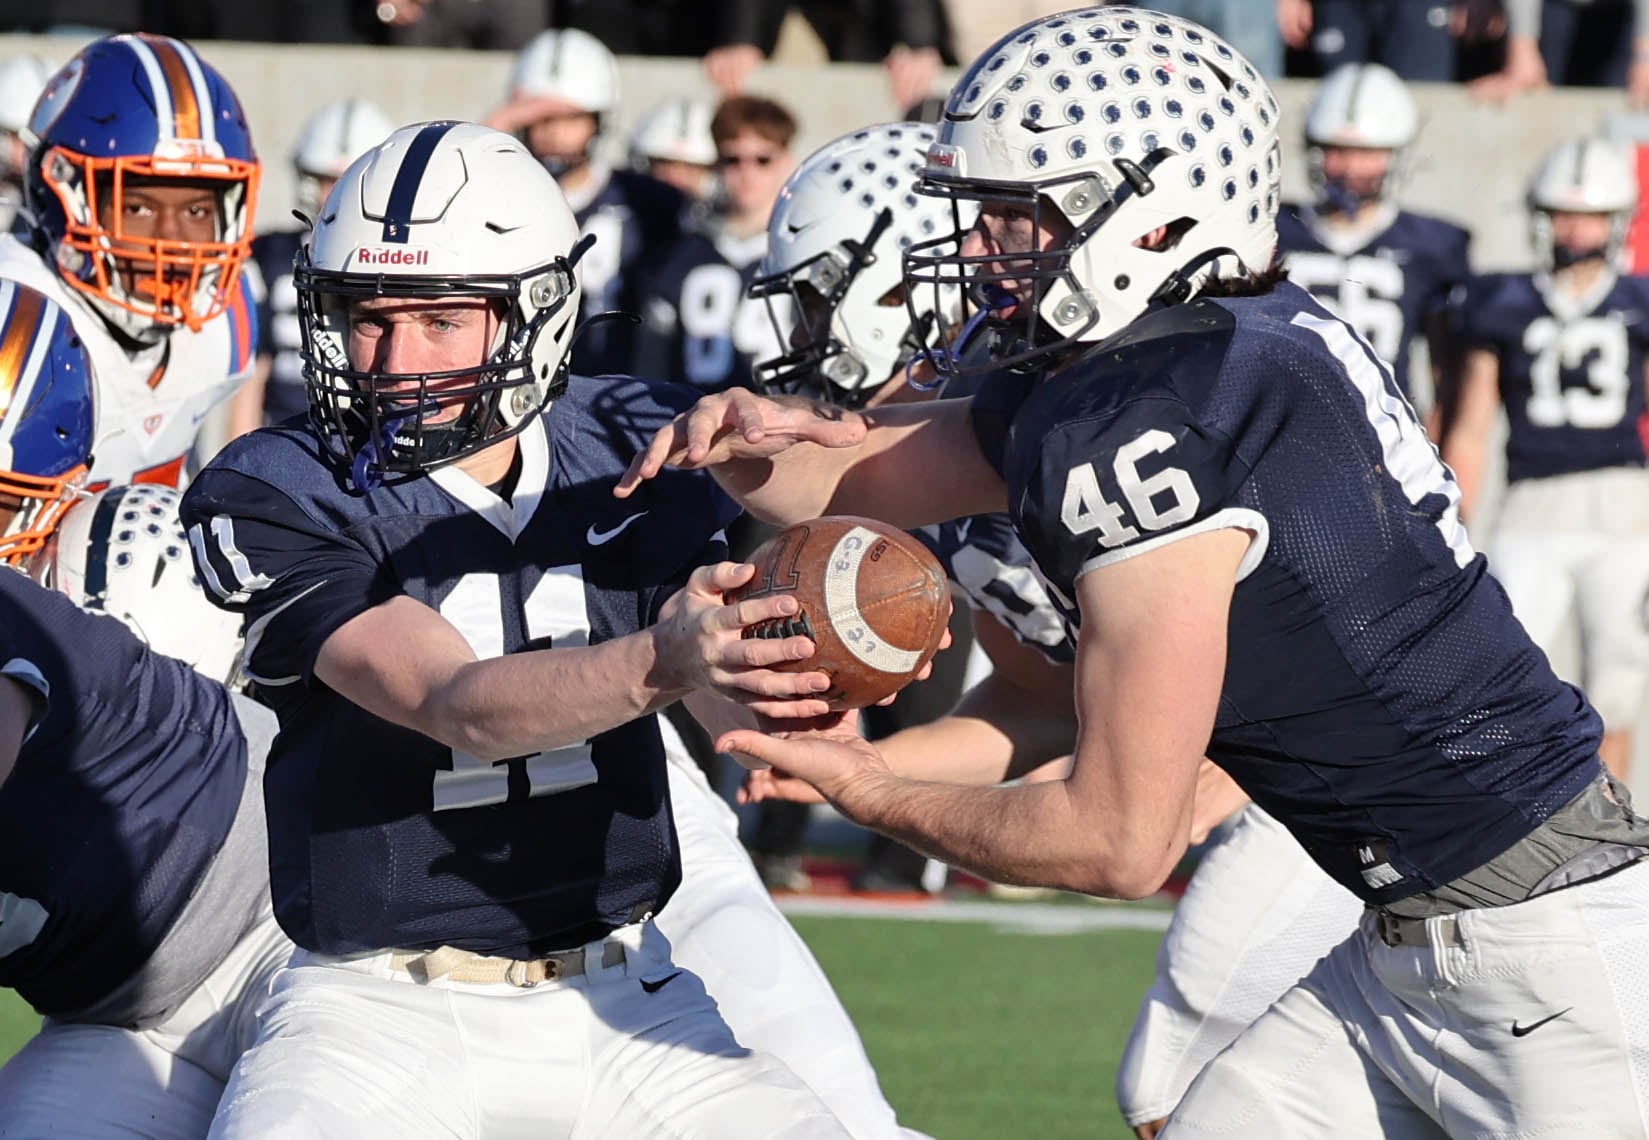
(254, 635)
(1239, 518)
(26, 672)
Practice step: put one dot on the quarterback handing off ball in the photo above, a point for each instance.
(873, 600)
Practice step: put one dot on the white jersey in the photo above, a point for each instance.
(150, 403)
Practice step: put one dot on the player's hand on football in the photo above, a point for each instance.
(739, 424)
(699, 644)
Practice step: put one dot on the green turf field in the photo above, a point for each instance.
(977, 1032)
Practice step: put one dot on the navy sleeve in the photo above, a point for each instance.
(1476, 319)
(296, 579)
(1453, 268)
(1101, 490)
(996, 400)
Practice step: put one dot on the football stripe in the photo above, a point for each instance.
(841, 592)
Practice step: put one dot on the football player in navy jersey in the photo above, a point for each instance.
(464, 638)
(697, 323)
(1390, 273)
(330, 140)
(1564, 350)
(1259, 548)
(564, 83)
(134, 910)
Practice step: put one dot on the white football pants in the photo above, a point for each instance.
(1577, 546)
(723, 926)
(1535, 1023)
(1257, 916)
(351, 1049)
(100, 1082)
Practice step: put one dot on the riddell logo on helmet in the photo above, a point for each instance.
(385, 255)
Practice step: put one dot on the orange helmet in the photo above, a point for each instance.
(46, 419)
(142, 111)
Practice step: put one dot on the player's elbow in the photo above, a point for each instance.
(1129, 872)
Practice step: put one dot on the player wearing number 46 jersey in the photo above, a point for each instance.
(1565, 350)
(1390, 273)
(139, 197)
(1261, 554)
(465, 639)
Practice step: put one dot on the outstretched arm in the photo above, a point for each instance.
(790, 459)
(1149, 675)
(406, 663)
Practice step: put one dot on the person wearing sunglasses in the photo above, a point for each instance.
(697, 324)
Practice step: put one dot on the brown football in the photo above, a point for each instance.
(873, 599)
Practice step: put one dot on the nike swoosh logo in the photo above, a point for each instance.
(602, 537)
(655, 987)
(1525, 1030)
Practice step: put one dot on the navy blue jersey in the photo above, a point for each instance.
(380, 837)
(984, 556)
(278, 318)
(697, 324)
(1571, 373)
(121, 797)
(1387, 284)
(636, 221)
(1380, 699)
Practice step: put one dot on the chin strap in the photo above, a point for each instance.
(367, 472)
(947, 361)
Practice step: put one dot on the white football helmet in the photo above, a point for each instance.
(1583, 176)
(676, 130)
(440, 209)
(123, 552)
(331, 139)
(1361, 105)
(568, 64)
(1114, 121)
(835, 241)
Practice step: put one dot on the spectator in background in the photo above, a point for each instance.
(563, 84)
(22, 78)
(1600, 43)
(643, 27)
(672, 143)
(497, 25)
(330, 140)
(1415, 38)
(697, 324)
(908, 37)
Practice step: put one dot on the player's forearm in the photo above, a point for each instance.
(1029, 835)
(997, 732)
(917, 464)
(1466, 457)
(523, 703)
(787, 488)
